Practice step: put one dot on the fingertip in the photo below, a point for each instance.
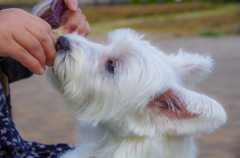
(87, 29)
(72, 5)
(40, 71)
(67, 31)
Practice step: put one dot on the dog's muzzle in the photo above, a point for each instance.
(62, 44)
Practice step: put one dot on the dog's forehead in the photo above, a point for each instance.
(78, 40)
(126, 34)
(127, 41)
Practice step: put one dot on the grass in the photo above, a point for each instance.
(238, 29)
(221, 19)
(179, 19)
(106, 13)
(210, 32)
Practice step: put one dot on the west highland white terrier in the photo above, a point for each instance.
(132, 99)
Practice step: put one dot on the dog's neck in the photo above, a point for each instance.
(108, 144)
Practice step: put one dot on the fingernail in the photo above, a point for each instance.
(67, 31)
(40, 71)
(74, 7)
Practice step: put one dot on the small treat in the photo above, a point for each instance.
(58, 32)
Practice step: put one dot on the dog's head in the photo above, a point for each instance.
(134, 88)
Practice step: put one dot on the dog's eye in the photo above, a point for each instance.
(111, 67)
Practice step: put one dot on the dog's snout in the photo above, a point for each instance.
(62, 43)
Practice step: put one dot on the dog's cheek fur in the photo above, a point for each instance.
(53, 79)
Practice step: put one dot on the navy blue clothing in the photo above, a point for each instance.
(11, 143)
(14, 71)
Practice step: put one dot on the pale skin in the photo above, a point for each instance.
(29, 39)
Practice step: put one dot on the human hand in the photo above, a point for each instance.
(73, 20)
(26, 38)
(71, 4)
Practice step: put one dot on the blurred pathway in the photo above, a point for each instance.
(39, 113)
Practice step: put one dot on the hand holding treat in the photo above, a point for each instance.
(30, 40)
(63, 16)
(27, 39)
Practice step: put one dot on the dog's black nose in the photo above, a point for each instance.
(62, 43)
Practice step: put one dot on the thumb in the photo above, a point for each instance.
(71, 4)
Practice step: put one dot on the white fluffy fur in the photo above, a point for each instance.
(143, 109)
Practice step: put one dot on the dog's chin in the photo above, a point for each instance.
(56, 83)
(57, 73)
(61, 63)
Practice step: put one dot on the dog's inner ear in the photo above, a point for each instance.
(170, 104)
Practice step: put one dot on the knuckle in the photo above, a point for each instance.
(23, 54)
(43, 36)
(73, 24)
(36, 45)
(8, 38)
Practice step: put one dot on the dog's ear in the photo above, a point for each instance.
(192, 68)
(181, 111)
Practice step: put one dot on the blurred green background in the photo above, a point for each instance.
(178, 18)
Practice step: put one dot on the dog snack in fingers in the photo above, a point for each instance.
(51, 11)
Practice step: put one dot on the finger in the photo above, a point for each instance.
(71, 4)
(44, 26)
(74, 20)
(31, 44)
(20, 54)
(83, 28)
(45, 40)
(86, 29)
(64, 18)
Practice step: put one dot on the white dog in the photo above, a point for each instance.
(133, 98)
